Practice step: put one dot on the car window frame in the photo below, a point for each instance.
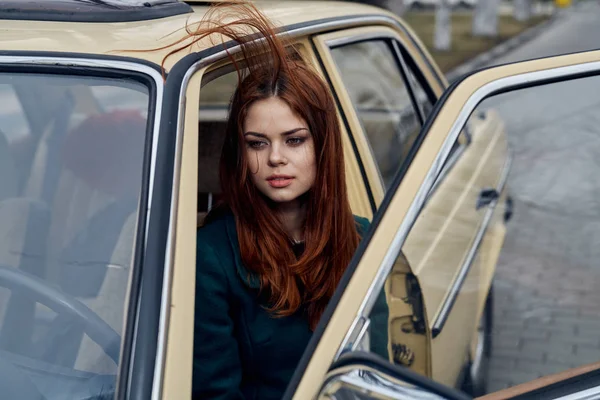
(112, 67)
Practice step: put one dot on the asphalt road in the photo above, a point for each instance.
(547, 302)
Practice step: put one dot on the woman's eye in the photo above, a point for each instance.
(295, 141)
(256, 144)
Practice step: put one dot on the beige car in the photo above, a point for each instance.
(106, 169)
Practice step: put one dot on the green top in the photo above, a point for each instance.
(240, 350)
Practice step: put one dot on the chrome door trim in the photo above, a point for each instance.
(454, 291)
(502, 84)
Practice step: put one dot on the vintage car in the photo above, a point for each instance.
(98, 225)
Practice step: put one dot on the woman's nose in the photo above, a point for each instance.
(276, 156)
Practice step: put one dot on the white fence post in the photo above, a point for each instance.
(485, 18)
(522, 10)
(443, 28)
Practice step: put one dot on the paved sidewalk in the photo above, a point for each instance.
(547, 302)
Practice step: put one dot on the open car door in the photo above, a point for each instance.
(334, 363)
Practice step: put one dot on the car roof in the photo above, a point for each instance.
(108, 27)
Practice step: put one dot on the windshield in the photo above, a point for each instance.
(71, 151)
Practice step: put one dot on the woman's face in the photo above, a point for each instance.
(280, 150)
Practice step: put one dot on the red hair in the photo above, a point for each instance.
(274, 68)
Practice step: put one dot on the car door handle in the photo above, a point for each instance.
(486, 197)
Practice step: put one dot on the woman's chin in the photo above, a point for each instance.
(282, 199)
(282, 196)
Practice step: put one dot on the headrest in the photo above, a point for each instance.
(106, 151)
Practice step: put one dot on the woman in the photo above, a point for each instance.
(272, 253)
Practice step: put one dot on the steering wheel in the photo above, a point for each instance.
(63, 304)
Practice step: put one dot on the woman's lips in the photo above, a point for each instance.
(280, 182)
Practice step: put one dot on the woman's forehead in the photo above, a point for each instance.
(272, 116)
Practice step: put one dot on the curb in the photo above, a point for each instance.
(500, 49)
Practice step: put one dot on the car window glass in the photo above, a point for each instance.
(69, 193)
(371, 75)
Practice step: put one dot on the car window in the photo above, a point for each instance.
(374, 81)
(69, 193)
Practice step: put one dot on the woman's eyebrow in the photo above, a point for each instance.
(292, 131)
(286, 133)
(262, 135)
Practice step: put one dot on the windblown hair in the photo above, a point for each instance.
(270, 67)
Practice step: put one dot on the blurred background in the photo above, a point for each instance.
(466, 34)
